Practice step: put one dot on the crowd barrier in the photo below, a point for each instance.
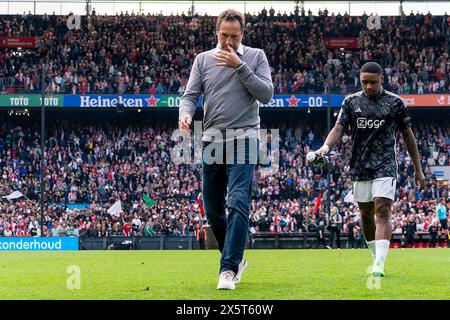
(255, 241)
(263, 240)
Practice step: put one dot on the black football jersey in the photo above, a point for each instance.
(373, 124)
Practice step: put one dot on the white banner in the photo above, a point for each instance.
(116, 209)
(14, 195)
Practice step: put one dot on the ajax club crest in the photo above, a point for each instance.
(385, 109)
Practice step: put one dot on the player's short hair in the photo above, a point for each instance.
(231, 15)
(371, 67)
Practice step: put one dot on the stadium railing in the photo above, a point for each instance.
(262, 240)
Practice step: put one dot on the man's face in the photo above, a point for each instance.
(371, 83)
(229, 34)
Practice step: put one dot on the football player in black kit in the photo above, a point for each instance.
(373, 116)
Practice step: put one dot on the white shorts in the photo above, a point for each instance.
(365, 191)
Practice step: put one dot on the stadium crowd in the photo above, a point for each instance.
(96, 164)
(137, 53)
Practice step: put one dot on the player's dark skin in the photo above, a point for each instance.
(378, 228)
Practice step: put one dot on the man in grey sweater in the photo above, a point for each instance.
(232, 79)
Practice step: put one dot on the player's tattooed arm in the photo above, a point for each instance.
(411, 146)
(333, 138)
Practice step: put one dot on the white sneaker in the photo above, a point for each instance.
(226, 280)
(328, 247)
(242, 266)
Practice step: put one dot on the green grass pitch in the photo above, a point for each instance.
(192, 275)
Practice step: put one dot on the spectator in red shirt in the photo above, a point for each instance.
(126, 228)
(152, 89)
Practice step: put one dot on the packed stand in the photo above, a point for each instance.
(97, 164)
(134, 54)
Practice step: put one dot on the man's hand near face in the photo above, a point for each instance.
(228, 58)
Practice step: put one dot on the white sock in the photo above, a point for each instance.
(372, 248)
(382, 247)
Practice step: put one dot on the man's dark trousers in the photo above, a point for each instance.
(335, 231)
(234, 179)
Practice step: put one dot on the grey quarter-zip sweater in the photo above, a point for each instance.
(229, 95)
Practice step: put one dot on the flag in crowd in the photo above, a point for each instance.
(349, 196)
(317, 205)
(116, 209)
(14, 195)
(148, 201)
(200, 203)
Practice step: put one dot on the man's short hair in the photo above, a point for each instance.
(231, 15)
(371, 67)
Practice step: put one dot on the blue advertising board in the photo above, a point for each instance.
(336, 100)
(297, 101)
(148, 101)
(93, 101)
(38, 243)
